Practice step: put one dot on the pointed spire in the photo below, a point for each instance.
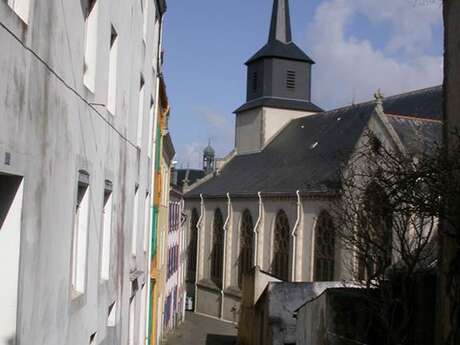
(280, 28)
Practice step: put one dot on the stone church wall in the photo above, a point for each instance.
(209, 296)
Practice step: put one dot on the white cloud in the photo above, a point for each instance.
(190, 156)
(214, 126)
(219, 129)
(349, 68)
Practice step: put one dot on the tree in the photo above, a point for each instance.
(392, 202)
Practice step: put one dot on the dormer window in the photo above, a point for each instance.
(254, 81)
(290, 79)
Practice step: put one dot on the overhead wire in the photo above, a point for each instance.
(52, 71)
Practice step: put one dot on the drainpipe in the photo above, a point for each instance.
(256, 231)
(313, 248)
(224, 263)
(198, 227)
(294, 236)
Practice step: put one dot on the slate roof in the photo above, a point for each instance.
(191, 175)
(308, 153)
(277, 49)
(424, 103)
(417, 135)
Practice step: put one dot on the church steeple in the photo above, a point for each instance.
(279, 74)
(280, 28)
(278, 86)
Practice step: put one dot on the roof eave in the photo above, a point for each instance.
(329, 193)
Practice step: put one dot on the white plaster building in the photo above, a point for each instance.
(77, 113)
(267, 206)
(175, 275)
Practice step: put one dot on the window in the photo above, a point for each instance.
(324, 248)
(290, 79)
(80, 234)
(135, 221)
(140, 115)
(375, 234)
(151, 129)
(21, 8)
(375, 144)
(106, 231)
(132, 311)
(113, 67)
(142, 323)
(11, 197)
(192, 247)
(246, 244)
(146, 222)
(280, 262)
(89, 69)
(254, 81)
(217, 254)
(92, 339)
(145, 10)
(112, 315)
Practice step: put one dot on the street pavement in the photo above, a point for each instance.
(202, 330)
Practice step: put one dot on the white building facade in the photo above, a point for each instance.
(77, 115)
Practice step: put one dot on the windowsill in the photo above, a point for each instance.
(78, 300)
(233, 291)
(208, 284)
(87, 87)
(76, 294)
(24, 21)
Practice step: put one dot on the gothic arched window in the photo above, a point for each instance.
(192, 246)
(324, 248)
(375, 234)
(280, 262)
(217, 254)
(246, 244)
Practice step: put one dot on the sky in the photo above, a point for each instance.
(359, 46)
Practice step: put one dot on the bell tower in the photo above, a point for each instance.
(209, 159)
(278, 85)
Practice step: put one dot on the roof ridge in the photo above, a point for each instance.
(411, 92)
(414, 118)
(385, 99)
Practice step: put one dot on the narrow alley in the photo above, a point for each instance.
(203, 330)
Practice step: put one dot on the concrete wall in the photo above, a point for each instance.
(311, 323)
(49, 132)
(255, 128)
(248, 131)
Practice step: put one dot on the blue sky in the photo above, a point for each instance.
(358, 45)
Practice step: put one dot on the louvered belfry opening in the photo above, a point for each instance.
(290, 79)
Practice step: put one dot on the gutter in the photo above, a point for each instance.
(198, 227)
(224, 261)
(256, 231)
(314, 194)
(294, 236)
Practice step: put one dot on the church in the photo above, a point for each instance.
(266, 204)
